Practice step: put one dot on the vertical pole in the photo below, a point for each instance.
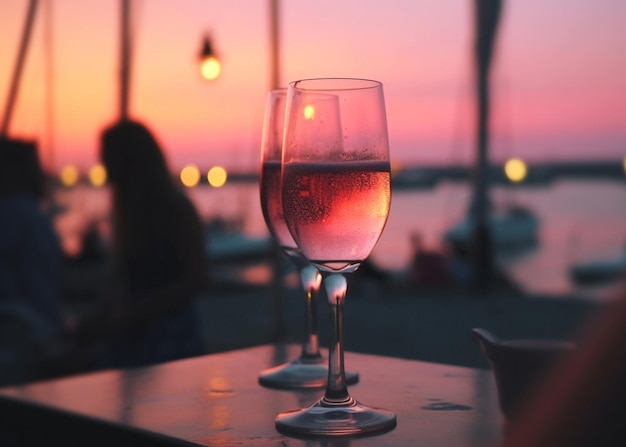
(274, 13)
(8, 111)
(49, 62)
(124, 59)
(487, 16)
(277, 290)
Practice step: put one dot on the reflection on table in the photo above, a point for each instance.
(216, 400)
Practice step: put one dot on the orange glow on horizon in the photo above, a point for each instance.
(547, 108)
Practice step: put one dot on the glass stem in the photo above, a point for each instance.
(311, 281)
(336, 390)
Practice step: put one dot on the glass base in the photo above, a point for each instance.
(301, 373)
(322, 419)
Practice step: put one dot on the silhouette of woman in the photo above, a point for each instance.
(158, 255)
(30, 267)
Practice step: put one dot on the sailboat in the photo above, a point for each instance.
(485, 228)
(601, 270)
(511, 226)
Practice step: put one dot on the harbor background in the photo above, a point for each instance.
(558, 96)
(579, 220)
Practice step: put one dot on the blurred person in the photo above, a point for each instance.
(580, 402)
(428, 268)
(30, 268)
(149, 311)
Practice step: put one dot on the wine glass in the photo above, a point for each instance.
(336, 198)
(310, 370)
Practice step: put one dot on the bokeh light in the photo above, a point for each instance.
(97, 175)
(515, 170)
(210, 68)
(69, 175)
(309, 112)
(190, 176)
(217, 176)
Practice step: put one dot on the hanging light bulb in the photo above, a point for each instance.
(210, 66)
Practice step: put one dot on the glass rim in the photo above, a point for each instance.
(360, 84)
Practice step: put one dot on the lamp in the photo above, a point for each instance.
(210, 66)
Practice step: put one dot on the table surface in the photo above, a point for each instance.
(216, 400)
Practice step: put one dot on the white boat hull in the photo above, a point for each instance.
(506, 230)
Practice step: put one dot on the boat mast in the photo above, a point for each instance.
(274, 19)
(125, 49)
(8, 111)
(49, 76)
(487, 16)
(277, 295)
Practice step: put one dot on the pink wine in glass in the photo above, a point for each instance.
(336, 211)
(310, 370)
(272, 205)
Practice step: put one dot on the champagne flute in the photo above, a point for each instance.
(310, 370)
(336, 198)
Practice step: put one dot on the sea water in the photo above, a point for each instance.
(580, 220)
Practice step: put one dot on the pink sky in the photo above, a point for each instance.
(559, 82)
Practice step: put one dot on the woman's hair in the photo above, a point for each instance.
(131, 155)
(143, 188)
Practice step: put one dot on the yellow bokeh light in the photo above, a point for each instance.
(515, 170)
(309, 112)
(217, 176)
(210, 68)
(624, 163)
(97, 175)
(69, 175)
(190, 176)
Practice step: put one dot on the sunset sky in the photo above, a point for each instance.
(559, 84)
